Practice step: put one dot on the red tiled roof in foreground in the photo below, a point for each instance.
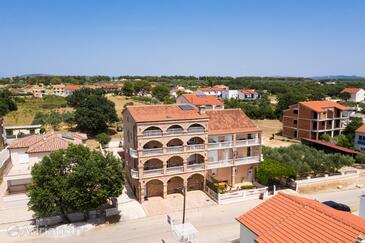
(202, 99)
(321, 105)
(150, 113)
(229, 121)
(40, 143)
(351, 90)
(331, 146)
(288, 218)
(361, 129)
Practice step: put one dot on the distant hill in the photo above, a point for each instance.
(34, 75)
(336, 77)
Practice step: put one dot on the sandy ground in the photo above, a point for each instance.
(120, 101)
(270, 127)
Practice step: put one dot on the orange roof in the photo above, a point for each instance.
(351, 90)
(149, 113)
(361, 129)
(209, 89)
(229, 121)
(248, 91)
(48, 142)
(288, 218)
(72, 87)
(320, 105)
(202, 99)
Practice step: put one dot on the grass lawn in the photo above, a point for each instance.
(28, 107)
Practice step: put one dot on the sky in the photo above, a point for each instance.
(182, 37)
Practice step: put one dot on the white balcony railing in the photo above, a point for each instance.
(134, 174)
(153, 151)
(195, 147)
(174, 149)
(220, 163)
(174, 131)
(152, 172)
(151, 133)
(196, 130)
(219, 145)
(175, 169)
(133, 153)
(247, 142)
(199, 166)
(247, 160)
(230, 144)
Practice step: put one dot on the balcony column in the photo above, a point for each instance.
(164, 189)
(185, 165)
(141, 192)
(234, 140)
(233, 175)
(140, 171)
(164, 167)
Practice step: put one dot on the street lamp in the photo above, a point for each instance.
(183, 190)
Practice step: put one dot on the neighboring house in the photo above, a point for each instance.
(248, 94)
(2, 134)
(58, 89)
(357, 94)
(206, 102)
(38, 92)
(108, 87)
(15, 131)
(27, 151)
(312, 119)
(216, 91)
(168, 147)
(230, 94)
(288, 218)
(174, 90)
(359, 142)
(70, 89)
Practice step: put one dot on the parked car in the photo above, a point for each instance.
(337, 206)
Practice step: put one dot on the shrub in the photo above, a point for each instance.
(270, 170)
(360, 158)
(103, 138)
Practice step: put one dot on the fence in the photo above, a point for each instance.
(237, 196)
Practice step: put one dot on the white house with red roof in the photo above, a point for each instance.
(70, 89)
(288, 218)
(359, 141)
(216, 91)
(247, 94)
(357, 94)
(27, 151)
(205, 102)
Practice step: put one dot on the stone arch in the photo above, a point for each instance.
(152, 144)
(195, 159)
(175, 161)
(195, 140)
(175, 129)
(175, 142)
(195, 182)
(154, 188)
(152, 131)
(175, 185)
(196, 128)
(153, 164)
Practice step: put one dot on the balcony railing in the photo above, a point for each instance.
(220, 163)
(174, 131)
(175, 149)
(230, 144)
(153, 172)
(175, 169)
(246, 160)
(219, 145)
(195, 147)
(134, 174)
(151, 133)
(133, 153)
(247, 142)
(199, 166)
(153, 151)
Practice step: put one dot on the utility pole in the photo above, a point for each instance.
(184, 192)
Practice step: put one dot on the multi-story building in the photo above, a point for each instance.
(207, 102)
(169, 147)
(312, 119)
(58, 89)
(248, 94)
(359, 142)
(216, 91)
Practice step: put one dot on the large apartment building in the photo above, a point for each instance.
(168, 147)
(312, 119)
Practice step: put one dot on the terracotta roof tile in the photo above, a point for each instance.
(319, 106)
(72, 87)
(149, 113)
(229, 121)
(288, 218)
(361, 129)
(351, 90)
(248, 91)
(210, 89)
(202, 99)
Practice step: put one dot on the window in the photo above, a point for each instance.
(295, 111)
(295, 133)
(362, 138)
(295, 122)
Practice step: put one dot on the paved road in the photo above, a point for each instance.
(215, 224)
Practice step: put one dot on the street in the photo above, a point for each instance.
(215, 223)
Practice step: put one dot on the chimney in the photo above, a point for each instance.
(362, 207)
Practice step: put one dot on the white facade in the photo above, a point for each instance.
(359, 142)
(230, 94)
(216, 93)
(244, 96)
(358, 96)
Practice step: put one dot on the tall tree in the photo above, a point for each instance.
(141, 87)
(160, 92)
(128, 88)
(75, 179)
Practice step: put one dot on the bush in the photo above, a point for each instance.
(360, 158)
(271, 170)
(42, 130)
(103, 138)
(247, 187)
(325, 137)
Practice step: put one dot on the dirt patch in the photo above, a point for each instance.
(120, 101)
(270, 127)
(346, 184)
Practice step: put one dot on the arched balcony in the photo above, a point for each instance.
(195, 143)
(174, 129)
(153, 167)
(174, 146)
(152, 147)
(195, 161)
(154, 188)
(152, 131)
(196, 128)
(175, 164)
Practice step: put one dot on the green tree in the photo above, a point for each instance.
(325, 137)
(271, 170)
(54, 119)
(40, 118)
(103, 138)
(344, 141)
(360, 158)
(344, 96)
(69, 118)
(351, 128)
(75, 179)
(160, 92)
(128, 88)
(141, 87)
(7, 104)
(79, 97)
